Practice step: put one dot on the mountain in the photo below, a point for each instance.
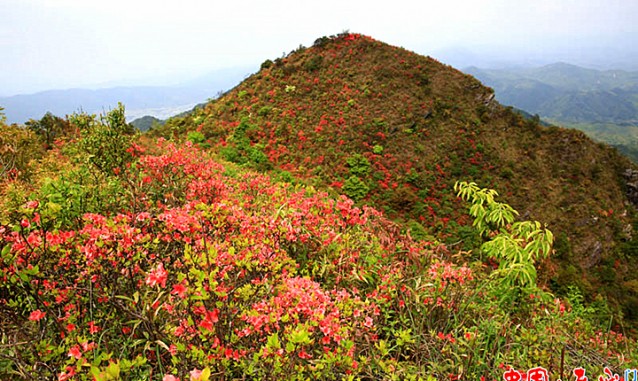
(158, 101)
(227, 252)
(396, 130)
(147, 122)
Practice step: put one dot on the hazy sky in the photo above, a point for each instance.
(65, 43)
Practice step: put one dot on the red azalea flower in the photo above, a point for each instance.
(36, 315)
(93, 328)
(157, 276)
(179, 290)
(75, 352)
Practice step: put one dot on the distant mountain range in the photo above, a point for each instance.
(157, 101)
(604, 104)
(567, 93)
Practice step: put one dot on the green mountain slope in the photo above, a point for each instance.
(394, 129)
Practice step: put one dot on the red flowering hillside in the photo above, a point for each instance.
(395, 130)
(123, 260)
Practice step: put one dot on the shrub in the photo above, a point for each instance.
(314, 63)
(196, 137)
(49, 128)
(359, 165)
(354, 188)
(515, 245)
(18, 148)
(106, 141)
(266, 64)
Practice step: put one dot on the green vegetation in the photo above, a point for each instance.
(358, 164)
(516, 246)
(106, 141)
(355, 188)
(367, 101)
(146, 123)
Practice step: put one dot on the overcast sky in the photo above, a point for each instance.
(65, 43)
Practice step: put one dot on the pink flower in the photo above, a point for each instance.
(170, 377)
(67, 374)
(179, 290)
(368, 322)
(36, 315)
(75, 352)
(304, 355)
(195, 374)
(32, 204)
(157, 276)
(93, 328)
(87, 346)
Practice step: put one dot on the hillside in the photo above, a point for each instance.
(567, 93)
(395, 130)
(124, 258)
(147, 122)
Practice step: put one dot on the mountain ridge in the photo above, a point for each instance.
(566, 93)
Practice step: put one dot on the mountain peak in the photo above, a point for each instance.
(396, 130)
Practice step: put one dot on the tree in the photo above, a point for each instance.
(49, 128)
(18, 146)
(108, 140)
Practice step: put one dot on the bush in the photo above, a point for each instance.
(354, 188)
(106, 141)
(196, 137)
(359, 165)
(266, 64)
(49, 128)
(18, 148)
(314, 63)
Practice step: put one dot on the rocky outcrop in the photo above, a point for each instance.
(631, 175)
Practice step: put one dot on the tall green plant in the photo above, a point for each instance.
(517, 246)
(107, 141)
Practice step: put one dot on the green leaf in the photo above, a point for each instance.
(205, 374)
(300, 336)
(273, 341)
(113, 371)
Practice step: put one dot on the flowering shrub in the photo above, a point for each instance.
(197, 270)
(18, 147)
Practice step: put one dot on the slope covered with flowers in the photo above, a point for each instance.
(395, 130)
(170, 264)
